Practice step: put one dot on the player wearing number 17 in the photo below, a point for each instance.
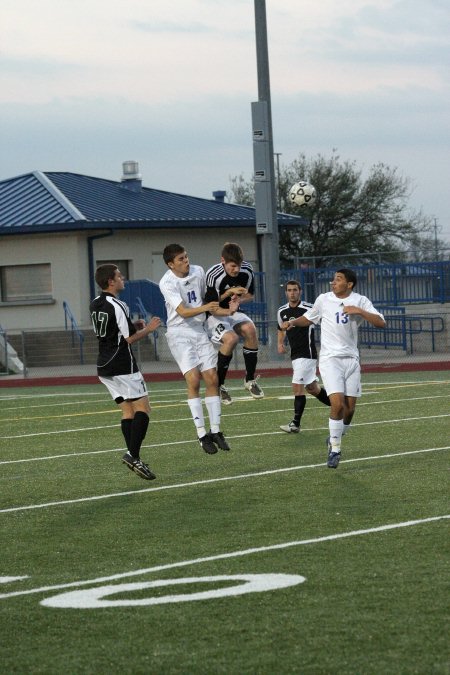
(339, 313)
(116, 366)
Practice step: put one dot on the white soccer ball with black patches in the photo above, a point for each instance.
(302, 194)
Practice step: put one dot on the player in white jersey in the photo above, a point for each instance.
(340, 313)
(183, 287)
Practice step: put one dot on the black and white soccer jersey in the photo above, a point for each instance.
(301, 340)
(112, 324)
(218, 281)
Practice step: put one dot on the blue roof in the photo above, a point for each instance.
(62, 201)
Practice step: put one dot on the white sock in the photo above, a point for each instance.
(336, 428)
(345, 429)
(214, 410)
(195, 404)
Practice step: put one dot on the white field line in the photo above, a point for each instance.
(231, 554)
(189, 441)
(315, 408)
(208, 481)
(378, 386)
(181, 388)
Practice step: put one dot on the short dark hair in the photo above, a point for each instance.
(232, 253)
(171, 251)
(292, 282)
(349, 275)
(104, 273)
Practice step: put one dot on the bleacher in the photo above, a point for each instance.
(392, 288)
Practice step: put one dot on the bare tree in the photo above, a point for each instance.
(352, 215)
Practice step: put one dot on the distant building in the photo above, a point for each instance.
(56, 227)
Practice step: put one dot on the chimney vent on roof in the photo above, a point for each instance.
(131, 179)
(219, 195)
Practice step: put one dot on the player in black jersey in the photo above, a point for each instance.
(303, 354)
(233, 278)
(116, 366)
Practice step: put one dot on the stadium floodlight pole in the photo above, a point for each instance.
(265, 194)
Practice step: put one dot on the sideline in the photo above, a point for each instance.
(208, 481)
(232, 554)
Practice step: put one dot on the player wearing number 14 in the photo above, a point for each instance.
(183, 287)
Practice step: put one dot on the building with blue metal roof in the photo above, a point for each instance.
(55, 227)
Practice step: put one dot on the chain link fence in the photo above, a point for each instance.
(413, 339)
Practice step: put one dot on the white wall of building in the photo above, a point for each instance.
(68, 256)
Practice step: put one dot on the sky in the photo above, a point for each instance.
(88, 84)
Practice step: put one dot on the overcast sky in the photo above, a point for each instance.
(87, 84)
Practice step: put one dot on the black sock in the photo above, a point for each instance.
(250, 360)
(322, 396)
(223, 361)
(299, 406)
(138, 430)
(126, 430)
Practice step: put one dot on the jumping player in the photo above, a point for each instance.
(233, 279)
(116, 365)
(183, 287)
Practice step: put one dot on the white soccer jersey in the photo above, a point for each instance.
(188, 290)
(338, 331)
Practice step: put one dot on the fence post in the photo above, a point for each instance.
(24, 355)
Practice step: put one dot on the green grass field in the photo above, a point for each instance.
(260, 560)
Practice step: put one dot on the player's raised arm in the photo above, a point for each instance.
(187, 312)
(372, 317)
(302, 321)
(151, 326)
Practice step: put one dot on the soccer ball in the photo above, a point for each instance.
(302, 194)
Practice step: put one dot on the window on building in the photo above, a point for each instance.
(22, 283)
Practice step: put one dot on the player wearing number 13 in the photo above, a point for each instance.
(339, 313)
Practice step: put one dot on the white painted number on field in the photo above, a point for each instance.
(93, 598)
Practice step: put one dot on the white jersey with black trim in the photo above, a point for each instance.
(338, 331)
(190, 291)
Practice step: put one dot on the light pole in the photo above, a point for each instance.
(277, 155)
(264, 174)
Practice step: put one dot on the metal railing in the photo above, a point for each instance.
(396, 284)
(76, 332)
(143, 313)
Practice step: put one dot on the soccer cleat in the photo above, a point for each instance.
(207, 444)
(139, 468)
(219, 439)
(333, 460)
(225, 396)
(253, 387)
(290, 428)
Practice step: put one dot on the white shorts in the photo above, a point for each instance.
(192, 350)
(218, 325)
(125, 387)
(304, 371)
(341, 374)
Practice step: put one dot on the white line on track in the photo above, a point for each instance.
(189, 441)
(316, 407)
(231, 554)
(208, 481)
